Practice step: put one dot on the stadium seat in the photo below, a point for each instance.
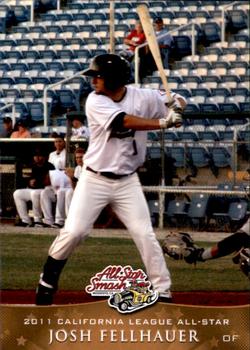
(35, 109)
(234, 217)
(21, 13)
(199, 156)
(196, 213)
(182, 45)
(210, 105)
(178, 154)
(221, 156)
(176, 212)
(170, 135)
(211, 32)
(230, 105)
(188, 135)
(154, 152)
(153, 206)
(68, 99)
(209, 135)
(237, 19)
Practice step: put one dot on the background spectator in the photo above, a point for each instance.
(58, 157)
(135, 38)
(64, 195)
(79, 129)
(166, 43)
(21, 130)
(35, 183)
(7, 127)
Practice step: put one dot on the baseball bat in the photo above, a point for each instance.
(149, 32)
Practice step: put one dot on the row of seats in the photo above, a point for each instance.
(202, 133)
(197, 155)
(227, 213)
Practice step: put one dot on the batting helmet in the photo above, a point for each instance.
(115, 70)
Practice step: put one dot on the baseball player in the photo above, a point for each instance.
(230, 244)
(64, 195)
(48, 194)
(36, 183)
(118, 119)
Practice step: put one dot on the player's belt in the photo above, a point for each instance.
(107, 174)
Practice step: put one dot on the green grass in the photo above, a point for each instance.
(22, 258)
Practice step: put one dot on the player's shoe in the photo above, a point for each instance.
(44, 295)
(23, 224)
(165, 297)
(56, 225)
(193, 255)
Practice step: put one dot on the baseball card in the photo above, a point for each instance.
(144, 242)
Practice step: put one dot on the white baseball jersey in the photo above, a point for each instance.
(58, 159)
(77, 133)
(77, 171)
(127, 149)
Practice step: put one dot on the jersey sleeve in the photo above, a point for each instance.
(101, 110)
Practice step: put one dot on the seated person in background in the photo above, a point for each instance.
(79, 130)
(165, 43)
(20, 130)
(135, 38)
(58, 180)
(35, 184)
(58, 157)
(64, 195)
(7, 127)
(48, 194)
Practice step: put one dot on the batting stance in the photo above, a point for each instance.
(118, 118)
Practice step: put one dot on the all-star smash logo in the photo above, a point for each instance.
(115, 279)
(128, 289)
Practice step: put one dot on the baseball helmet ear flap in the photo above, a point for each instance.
(114, 69)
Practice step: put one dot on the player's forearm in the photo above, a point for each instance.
(136, 123)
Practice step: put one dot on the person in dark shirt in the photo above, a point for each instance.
(35, 184)
(7, 127)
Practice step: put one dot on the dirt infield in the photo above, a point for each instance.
(187, 298)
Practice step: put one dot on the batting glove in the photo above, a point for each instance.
(175, 106)
(172, 119)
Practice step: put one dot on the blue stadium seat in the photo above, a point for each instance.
(226, 135)
(188, 135)
(170, 135)
(178, 154)
(48, 4)
(196, 213)
(152, 136)
(35, 109)
(234, 217)
(221, 156)
(212, 32)
(230, 105)
(154, 152)
(176, 211)
(153, 206)
(210, 105)
(237, 19)
(182, 45)
(68, 99)
(209, 135)
(21, 13)
(199, 156)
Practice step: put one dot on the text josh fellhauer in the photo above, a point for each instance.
(123, 336)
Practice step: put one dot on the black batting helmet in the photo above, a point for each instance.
(115, 70)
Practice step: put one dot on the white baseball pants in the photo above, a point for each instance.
(48, 197)
(21, 197)
(64, 197)
(93, 192)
